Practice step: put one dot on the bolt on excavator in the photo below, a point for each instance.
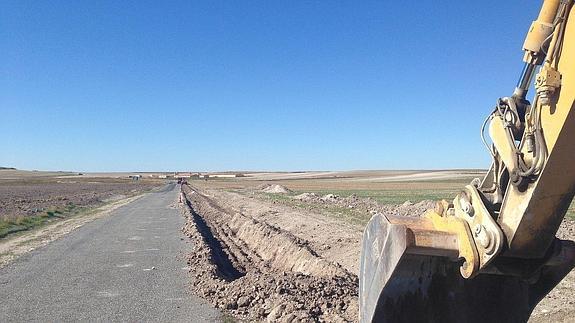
(491, 254)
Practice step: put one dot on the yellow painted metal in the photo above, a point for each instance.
(459, 227)
(503, 142)
(548, 11)
(539, 31)
(548, 77)
(439, 235)
(487, 237)
(530, 218)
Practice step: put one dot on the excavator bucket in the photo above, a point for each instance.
(434, 268)
(408, 273)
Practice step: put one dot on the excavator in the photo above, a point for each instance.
(491, 254)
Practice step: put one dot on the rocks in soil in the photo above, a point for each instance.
(306, 197)
(278, 278)
(330, 198)
(244, 301)
(276, 313)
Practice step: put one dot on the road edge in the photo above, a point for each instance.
(14, 247)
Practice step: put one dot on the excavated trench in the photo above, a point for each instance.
(259, 272)
(224, 266)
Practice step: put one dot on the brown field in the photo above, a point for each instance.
(29, 199)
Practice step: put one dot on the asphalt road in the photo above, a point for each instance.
(124, 267)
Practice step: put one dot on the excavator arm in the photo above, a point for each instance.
(491, 254)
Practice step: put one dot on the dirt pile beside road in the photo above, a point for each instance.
(275, 189)
(259, 272)
(367, 205)
(306, 197)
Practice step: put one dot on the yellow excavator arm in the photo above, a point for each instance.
(491, 254)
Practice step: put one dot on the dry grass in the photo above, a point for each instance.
(14, 224)
(384, 192)
(32, 199)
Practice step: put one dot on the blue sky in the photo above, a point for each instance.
(253, 85)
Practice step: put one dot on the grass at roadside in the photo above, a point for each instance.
(390, 196)
(17, 224)
(46, 195)
(571, 211)
(394, 196)
(396, 193)
(384, 192)
(349, 215)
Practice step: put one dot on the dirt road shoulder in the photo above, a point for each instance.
(15, 246)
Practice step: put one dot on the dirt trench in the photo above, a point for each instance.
(259, 272)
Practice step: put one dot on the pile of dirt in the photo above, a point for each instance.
(367, 205)
(259, 272)
(306, 197)
(331, 198)
(275, 189)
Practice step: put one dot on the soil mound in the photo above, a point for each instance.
(306, 197)
(367, 205)
(259, 272)
(275, 189)
(330, 198)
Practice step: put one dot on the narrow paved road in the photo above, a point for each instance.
(124, 267)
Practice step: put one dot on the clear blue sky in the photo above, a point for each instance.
(253, 85)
